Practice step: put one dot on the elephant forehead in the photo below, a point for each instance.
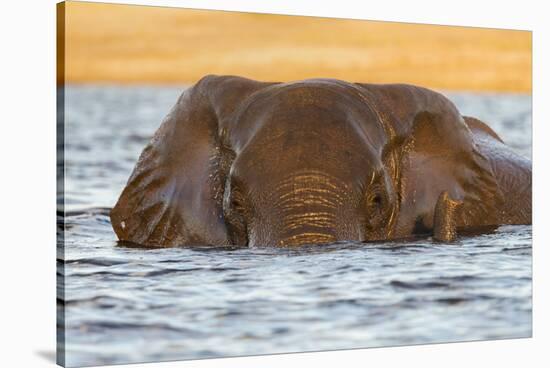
(308, 136)
(304, 108)
(288, 154)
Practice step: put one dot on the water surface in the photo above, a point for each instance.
(126, 305)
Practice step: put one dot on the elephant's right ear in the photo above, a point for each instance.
(174, 195)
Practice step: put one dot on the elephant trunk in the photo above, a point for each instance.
(309, 226)
(311, 209)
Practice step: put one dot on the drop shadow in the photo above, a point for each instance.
(47, 355)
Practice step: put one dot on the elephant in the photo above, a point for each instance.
(238, 162)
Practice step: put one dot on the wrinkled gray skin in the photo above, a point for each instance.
(243, 162)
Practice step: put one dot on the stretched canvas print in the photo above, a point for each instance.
(235, 184)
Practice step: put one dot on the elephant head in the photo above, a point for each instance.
(249, 163)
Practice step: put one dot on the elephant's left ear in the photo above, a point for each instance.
(442, 157)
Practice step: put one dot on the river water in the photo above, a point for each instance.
(124, 305)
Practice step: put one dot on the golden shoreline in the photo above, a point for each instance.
(110, 43)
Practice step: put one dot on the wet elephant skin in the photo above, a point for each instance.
(248, 163)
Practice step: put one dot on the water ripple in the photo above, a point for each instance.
(125, 304)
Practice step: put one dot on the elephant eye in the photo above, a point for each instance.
(377, 200)
(233, 198)
(376, 205)
(234, 214)
(235, 203)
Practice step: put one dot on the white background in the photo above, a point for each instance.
(27, 180)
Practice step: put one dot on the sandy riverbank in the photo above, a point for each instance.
(137, 44)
